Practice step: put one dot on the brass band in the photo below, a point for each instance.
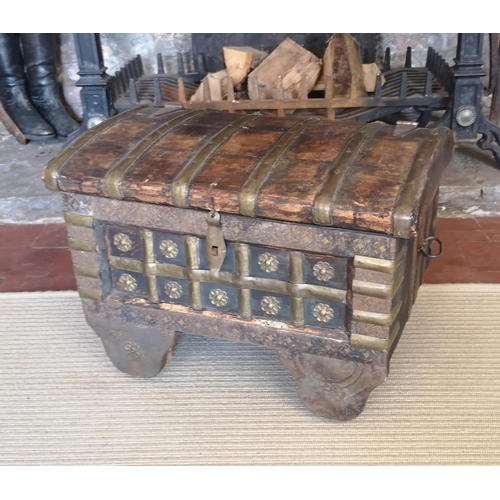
(377, 290)
(375, 343)
(149, 259)
(351, 150)
(89, 293)
(381, 265)
(296, 276)
(180, 184)
(51, 171)
(253, 184)
(242, 254)
(87, 271)
(223, 278)
(403, 220)
(83, 245)
(116, 172)
(192, 258)
(377, 318)
(79, 220)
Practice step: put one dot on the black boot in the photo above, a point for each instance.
(13, 91)
(39, 51)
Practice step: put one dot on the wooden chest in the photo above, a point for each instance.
(300, 234)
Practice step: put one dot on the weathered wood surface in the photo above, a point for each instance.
(342, 60)
(286, 70)
(275, 168)
(212, 88)
(370, 72)
(240, 60)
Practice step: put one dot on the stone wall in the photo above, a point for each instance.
(118, 48)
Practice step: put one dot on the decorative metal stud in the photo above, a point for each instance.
(218, 297)
(323, 313)
(169, 249)
(127, 283)
(270, 305)
(268, 262)
(122, 242)
(173, 289)
(323, 271)
(133, 350)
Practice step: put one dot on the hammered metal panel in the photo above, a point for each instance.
(221, 298)
(269, 263)
(122, 279)
(259, 300)
(124, 241)
(228, 266)
(323, 314)
(324, 270)
(169, 248)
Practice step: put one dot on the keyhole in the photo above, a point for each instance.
(215, 251)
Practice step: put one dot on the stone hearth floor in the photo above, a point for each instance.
(36, 257)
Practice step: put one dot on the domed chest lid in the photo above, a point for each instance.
(301, 169)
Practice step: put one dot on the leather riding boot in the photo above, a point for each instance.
(14, 94)
(39, 51)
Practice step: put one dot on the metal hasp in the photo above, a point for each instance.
(464, 114)
(95, 95)
(215, 246)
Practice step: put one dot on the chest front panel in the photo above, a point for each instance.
(161, 267)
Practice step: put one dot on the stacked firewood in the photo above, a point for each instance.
(290, 72)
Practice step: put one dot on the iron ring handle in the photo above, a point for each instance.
(426, 247)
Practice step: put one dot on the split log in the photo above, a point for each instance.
(240, 60)
(342, 59)
(370, 72)
(294, 65)
(212, 88)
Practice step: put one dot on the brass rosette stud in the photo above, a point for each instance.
(270, 305)
(323, 313)
(173, 290)
(218, 297)
(323, 271)
(127, 283)
(169, 249)
(122, 242)
(268, 262)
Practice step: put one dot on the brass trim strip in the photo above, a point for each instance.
(382, 265)
(180, 184)
(115, 173)
(192, 260)
(375, 343)
(253, 184)
(89, 272)
(78, 220)
(403, 218)
(324, 198)
(296, 303)
(377, 318)
(242, 257)
(89, 293)
(83, 245)
(149, 264)
(377, 290)
(51, 172)
(244, 282)
(126, 264)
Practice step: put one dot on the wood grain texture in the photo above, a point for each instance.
(385, 175)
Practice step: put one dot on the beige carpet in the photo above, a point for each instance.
(62, 401)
